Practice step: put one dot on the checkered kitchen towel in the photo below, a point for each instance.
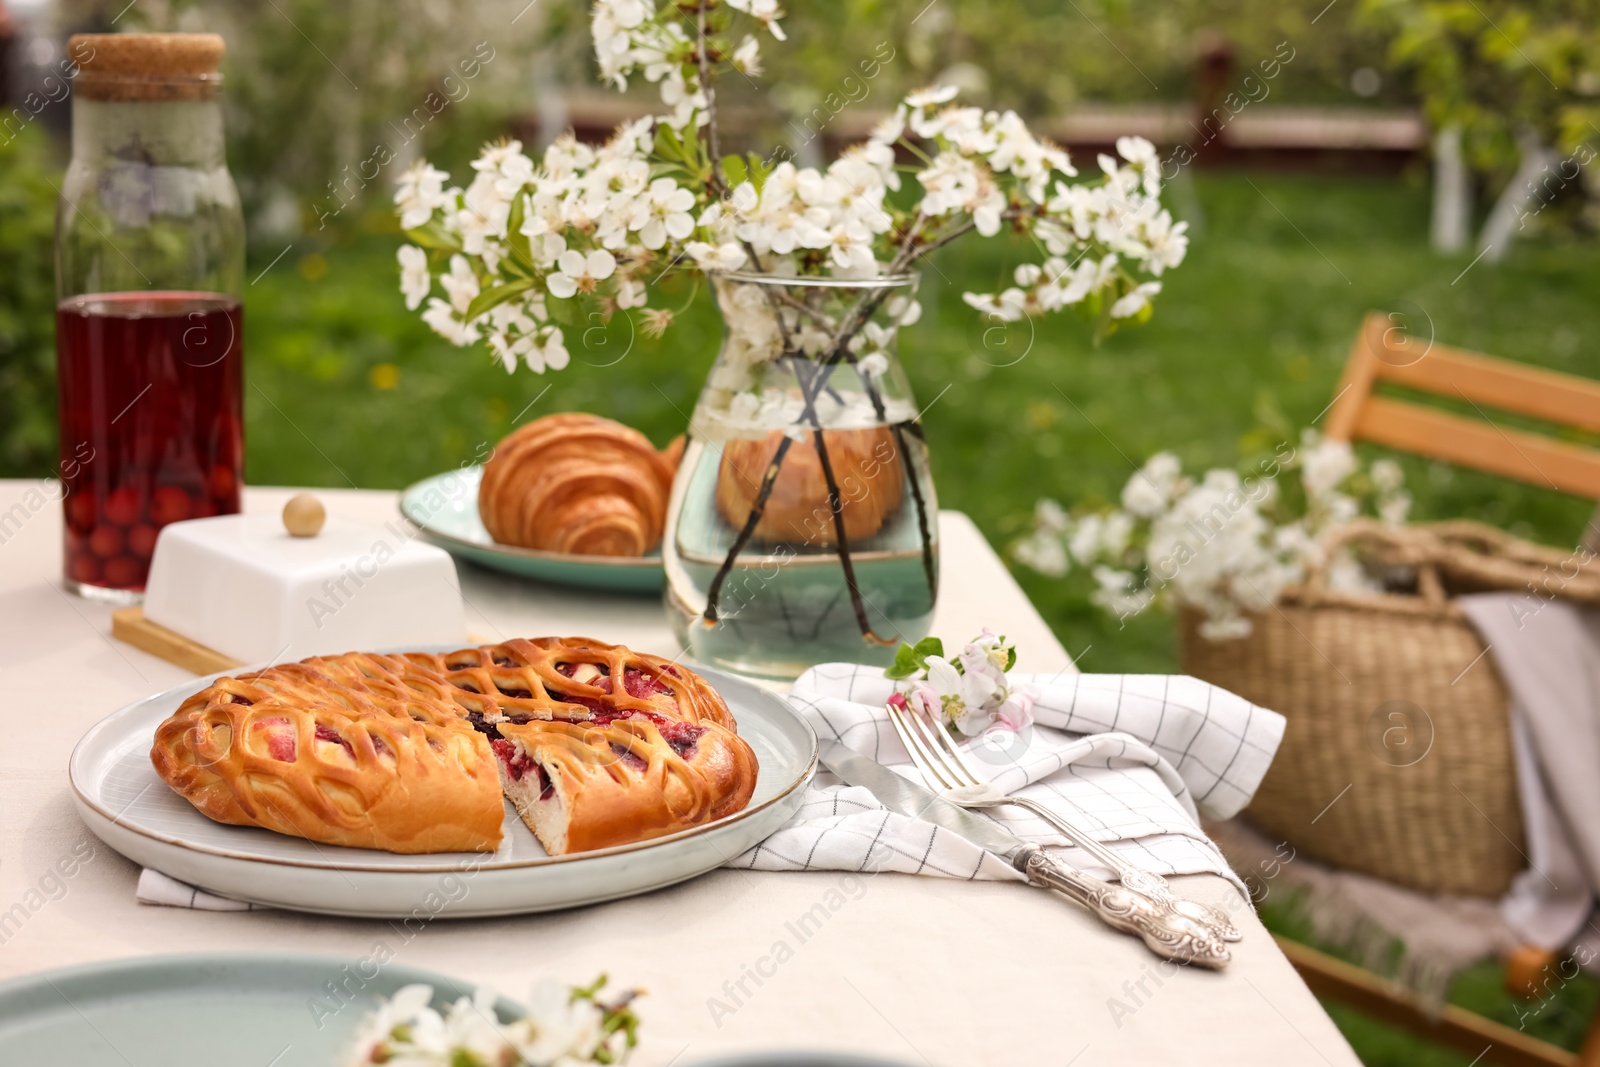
(1129, 759)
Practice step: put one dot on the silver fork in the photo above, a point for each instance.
(945, 769)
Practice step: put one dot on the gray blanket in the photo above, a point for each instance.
(1548, 652)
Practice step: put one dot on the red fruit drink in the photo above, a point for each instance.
(151, 390)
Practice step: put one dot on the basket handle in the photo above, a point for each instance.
(1409, 545)
(1491, 542)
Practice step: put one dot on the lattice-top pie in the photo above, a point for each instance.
(595, 745)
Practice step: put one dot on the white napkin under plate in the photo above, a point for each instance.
(1129, 759)
(157, 888)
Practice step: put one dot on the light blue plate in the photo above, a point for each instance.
(445, 508)
(234, 1009)
(123, 802)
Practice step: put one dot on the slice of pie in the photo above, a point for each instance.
(595, 746)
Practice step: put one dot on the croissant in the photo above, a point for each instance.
(866, 468)
(578, 484)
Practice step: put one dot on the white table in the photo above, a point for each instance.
(909, 968)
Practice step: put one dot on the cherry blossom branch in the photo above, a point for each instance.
(758, 508)
(912, 230)
(703, 59)
(809, 312)
(836, 505)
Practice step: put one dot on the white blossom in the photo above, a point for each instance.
(956, 697)
(580, 273)
(1223, 545)
(447, 324)
(724, 257)
(415, 281)
(934, 94)
(1134, 301)
(1044, 553)
(1387, 476)
(1148, 492)
(662, 212)
(765, 10)
(461, 285)
(559, 1028)
(418, 193)
(1325, 465)
(747, 57)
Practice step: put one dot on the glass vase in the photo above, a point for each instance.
(803, 526)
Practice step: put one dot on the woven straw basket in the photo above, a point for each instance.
(1397, 759)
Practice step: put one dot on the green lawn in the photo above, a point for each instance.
(346, 387)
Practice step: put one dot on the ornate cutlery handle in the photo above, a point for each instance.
(1137, 879)
(1165, 932)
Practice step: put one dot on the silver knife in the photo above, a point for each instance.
(1166, 933)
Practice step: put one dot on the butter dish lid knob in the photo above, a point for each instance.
(304, 515)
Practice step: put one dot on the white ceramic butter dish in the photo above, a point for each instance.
(243, 586)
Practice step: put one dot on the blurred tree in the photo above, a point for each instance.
(327, 103)
(27, 306)
(1037, 56)
(1503, 71)
(1042, 56)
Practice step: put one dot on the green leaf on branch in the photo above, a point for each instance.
(669, 146)
(492, 298)
(521, 250)
(911, 660)
(759, 170)
(567, 312)
(733, 171)
(518, 267)
(432, 235)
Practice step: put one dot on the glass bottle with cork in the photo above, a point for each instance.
(149, 329)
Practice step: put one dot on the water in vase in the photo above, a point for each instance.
(775, 595)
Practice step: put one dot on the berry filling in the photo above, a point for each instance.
(681, 736)
(594, 704)
(629, 756)
(280, 737)
(642, 685)
(487, 729)
(515, 694)
(519, 764)
(584, 672)
(329, 734)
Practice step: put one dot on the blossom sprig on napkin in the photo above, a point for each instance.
(969, 693)
(563, 1025)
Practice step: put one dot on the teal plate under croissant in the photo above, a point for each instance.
(445, 508)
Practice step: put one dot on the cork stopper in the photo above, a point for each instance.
(148, 67)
